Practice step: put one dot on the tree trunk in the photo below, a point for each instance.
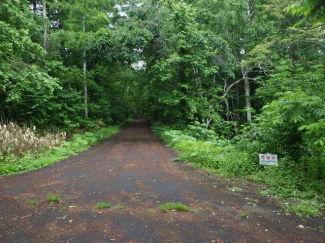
(45, 25)
(247, 96)
(250, 14)
(85, 72)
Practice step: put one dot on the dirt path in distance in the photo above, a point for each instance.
(134, 168)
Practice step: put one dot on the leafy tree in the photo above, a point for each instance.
(312, 11)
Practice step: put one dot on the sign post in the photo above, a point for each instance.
(268, 159)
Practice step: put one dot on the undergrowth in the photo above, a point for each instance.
(11, 163)
(301, 192)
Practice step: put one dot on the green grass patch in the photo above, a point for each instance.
(53, 198)
(173, 207)
(32, 202)
(31, 161)
(103, 205)
(305, 208)
(244, 215)
(119, 206)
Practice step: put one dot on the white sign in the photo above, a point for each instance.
(268, 159)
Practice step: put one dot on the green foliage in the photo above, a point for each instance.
(306, 208)
(53, 198)
(102, 205)
(200, 132)
(173, 207)
(244, 215)
(212, 154)
(293, 125)
(299, 182)
(311, 11)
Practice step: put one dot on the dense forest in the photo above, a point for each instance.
(221, 80)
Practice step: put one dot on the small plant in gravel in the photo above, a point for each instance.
(53, 198)
(103, 205)
(151, 211)
(173, 207)
(119, 206)
(32, 202)
(235, 189)
(244, 215)
(252, 201)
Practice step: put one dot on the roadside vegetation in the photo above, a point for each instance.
(33, 151)
(299, 182)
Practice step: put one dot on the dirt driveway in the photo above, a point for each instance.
(134, 168)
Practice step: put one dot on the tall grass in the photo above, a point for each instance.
(42, 151)
(15, 140)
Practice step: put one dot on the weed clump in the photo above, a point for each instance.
(119, 206)
(103, 205)
(244, 215)
(32, 202)
(53, 198)
(173, 207)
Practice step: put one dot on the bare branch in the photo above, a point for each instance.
(230, 86)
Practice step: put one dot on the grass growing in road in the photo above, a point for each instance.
(103, 205)
(32, 202)
(53, 198)
(235, 189)
(244, 215)
(174, 207)
(119, 206)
